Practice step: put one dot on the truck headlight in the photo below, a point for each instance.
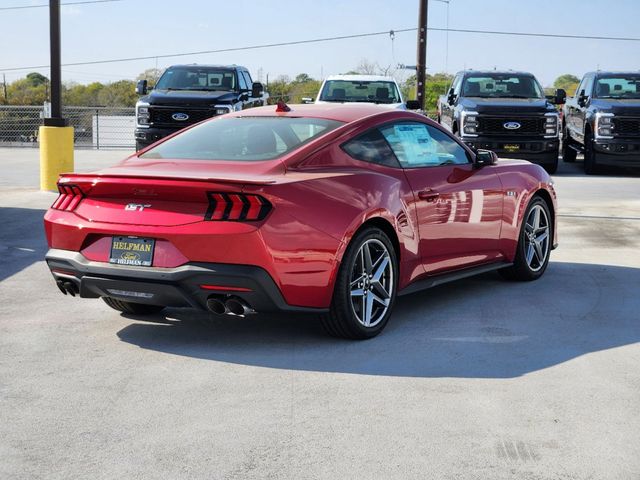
(551, 124)
(142, 114)
(470, 124)
(604, 125)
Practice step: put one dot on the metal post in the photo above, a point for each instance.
(421, 64)
(97, 129)
(56, 119)
(4, 86)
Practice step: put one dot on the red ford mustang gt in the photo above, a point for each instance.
(335, 210)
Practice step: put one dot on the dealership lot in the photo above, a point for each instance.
(475, 379)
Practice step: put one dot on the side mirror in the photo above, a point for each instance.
(141, 87)
(243, 97)
(413, 105)
(451, 97)
(560, 97)
(484, 158)
(582, 98)
(257, 89)
(306, 99)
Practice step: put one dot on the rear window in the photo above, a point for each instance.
(245, 139)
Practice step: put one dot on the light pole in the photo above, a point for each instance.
(421, 64)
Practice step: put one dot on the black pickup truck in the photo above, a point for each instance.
(602, 120)
(506, 112)
(187, 94)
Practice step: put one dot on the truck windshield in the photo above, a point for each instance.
(242, 139)
(618, 86)
(359, 91)
(502, 86)
(194, 77)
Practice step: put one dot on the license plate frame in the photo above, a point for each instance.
(132, 251)
(511, 147)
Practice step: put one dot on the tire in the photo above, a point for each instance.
(591, 166)
(140, 146)
(132, 308)
(568, 154)
(527, 264)
(365, 314)
(552, 167)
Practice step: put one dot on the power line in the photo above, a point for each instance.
(62, 4)
(327, 39)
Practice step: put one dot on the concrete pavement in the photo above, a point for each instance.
(477, 379)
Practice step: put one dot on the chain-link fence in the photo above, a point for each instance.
(93, 127)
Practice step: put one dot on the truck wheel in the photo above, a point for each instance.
(568, 154)
(552, 167)
(132, 308)
(591, 166)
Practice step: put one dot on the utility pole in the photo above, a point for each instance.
(4, 87)
(55, 137)
(421, 64)
(56, 119)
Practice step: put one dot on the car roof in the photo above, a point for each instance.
(496, 72)
(602, 73)
(346, 112)
(203, 65)
(363, 78)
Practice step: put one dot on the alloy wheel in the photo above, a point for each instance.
(371, 285)
(537, 241)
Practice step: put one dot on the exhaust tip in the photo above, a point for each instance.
(71, 288)
(238, 307)
(216, 306)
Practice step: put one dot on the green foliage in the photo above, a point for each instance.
(567, 82)
(151, 75)
(436, 85)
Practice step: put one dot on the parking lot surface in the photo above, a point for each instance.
(479, 379)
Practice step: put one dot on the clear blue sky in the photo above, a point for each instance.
(153, 27)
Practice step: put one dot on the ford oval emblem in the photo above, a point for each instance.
(181, 117)
(512, 125)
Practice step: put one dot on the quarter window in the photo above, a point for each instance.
(420, 145)
(371, 147)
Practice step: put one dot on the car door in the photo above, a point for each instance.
(458, 207)
(581, 110)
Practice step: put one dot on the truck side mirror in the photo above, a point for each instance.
(306, 99)
(484, 158)
(413, 105)
(451, 97)
(141, 87)
(582, 98)
(256, 89)
(560, 97)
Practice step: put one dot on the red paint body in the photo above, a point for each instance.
(320, 196)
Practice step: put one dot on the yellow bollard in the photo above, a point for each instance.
(56, 155)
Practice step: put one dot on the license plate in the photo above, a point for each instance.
(132, 251)
(511, 147)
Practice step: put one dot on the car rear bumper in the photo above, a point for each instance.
(189, 285)
(618, 152)
(542, 151)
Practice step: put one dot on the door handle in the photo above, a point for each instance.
(428, 195)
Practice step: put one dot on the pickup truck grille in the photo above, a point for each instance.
(626, 127)
(163, 116)
(495, 125)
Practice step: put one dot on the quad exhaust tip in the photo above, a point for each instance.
(229, 306)
(67, 286)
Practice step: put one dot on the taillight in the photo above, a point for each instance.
(69, 198)
(236, 207)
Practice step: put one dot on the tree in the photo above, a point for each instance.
(302, 78)
(118, 94)
(151, 75)
(567, 82)
(36, 79)
(436, 85)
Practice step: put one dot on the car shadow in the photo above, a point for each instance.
(22, 239)
(576, 169)
(481, 327)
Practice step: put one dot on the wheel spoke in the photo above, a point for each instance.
(367, 265)
(539, 252)
(377, 286)
(357, 292)
(542, 237)
(536, 218)
(382, 301)
(357, 281)
(530, 253)
(368, 309)
(379, 271)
